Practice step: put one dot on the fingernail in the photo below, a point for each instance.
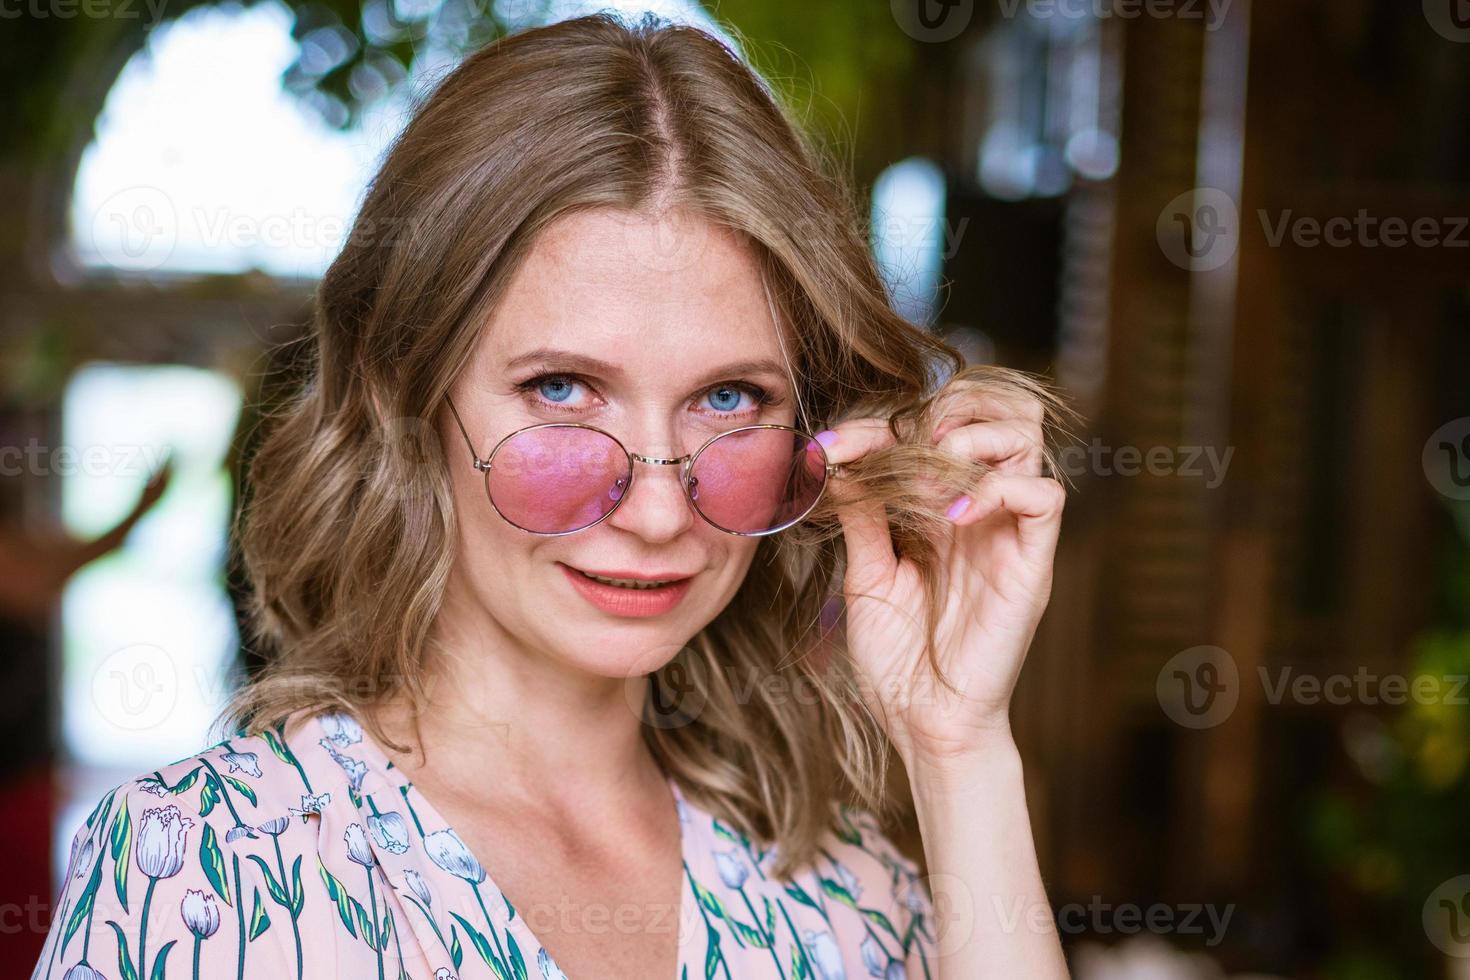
(826, 437)
(958, 507)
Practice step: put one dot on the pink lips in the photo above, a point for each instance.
(621, 601)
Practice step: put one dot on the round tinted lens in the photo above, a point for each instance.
(758, 480)
(557, 478)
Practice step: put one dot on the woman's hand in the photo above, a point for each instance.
(997, 562)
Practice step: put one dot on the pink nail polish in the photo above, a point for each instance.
(958, 507)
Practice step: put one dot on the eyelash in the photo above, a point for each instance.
(763, 398)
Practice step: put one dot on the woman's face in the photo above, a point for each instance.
(658, 331)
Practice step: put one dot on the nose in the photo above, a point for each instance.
(654, 506)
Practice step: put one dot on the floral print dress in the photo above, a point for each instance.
(312, 856)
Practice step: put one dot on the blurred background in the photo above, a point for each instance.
(1237, 232)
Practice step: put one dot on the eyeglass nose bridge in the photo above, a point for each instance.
(660, 460)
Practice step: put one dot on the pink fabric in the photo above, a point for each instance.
(314, 857)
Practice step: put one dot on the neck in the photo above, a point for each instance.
(543, 731)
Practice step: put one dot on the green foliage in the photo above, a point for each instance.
(1398, 834)
(842, 66)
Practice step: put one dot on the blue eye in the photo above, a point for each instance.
(730, 396)
(559, 384)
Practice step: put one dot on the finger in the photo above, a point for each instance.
(1010, 446)
(870, 557)
(851, 440)
(1035, 501)
(991, 406)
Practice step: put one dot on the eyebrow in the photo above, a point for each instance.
(564, 360)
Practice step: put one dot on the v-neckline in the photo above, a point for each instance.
(425, 814)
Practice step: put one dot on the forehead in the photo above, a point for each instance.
(662, 296)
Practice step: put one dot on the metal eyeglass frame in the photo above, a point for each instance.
(483, 465)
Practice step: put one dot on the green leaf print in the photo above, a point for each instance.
(84, 904)
(259, 921)
(385, 928)
(724, 832)
(364, 923)
(335, 891)
(277, 893)
(241, 787)
(845, 830)
(456, 951)
(770, 914)
(799, 893)
(799, 969)
(159, 961)
(124, 957)
(881, 920)
(834, 890)
(298, 896)
(122, 838)
(750, 934)
(517, 964)
(712, 954)
(208, 796)
(278, 747)
(213, 863)
(708, 899)
(186, 782)
(481, 944)
(103, 807)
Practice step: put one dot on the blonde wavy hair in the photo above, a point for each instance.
(346, 535)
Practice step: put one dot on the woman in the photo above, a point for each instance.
(552, 689)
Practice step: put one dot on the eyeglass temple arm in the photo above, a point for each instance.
(479, 463)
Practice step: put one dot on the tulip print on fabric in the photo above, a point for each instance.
(303, 852)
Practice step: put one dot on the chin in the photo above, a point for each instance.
(621, 657)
